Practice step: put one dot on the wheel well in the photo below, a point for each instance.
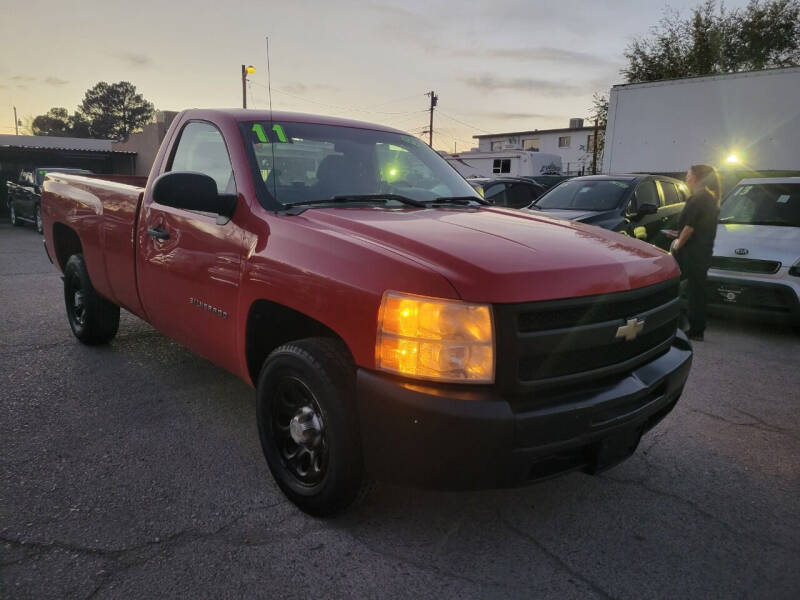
(66, 243)
(270, 325)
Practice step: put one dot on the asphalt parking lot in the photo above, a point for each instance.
(134, 470)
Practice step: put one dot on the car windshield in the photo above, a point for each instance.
(763, 204)
(588, 194)
(307, 163)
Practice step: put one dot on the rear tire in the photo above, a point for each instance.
(308, 425)
(94, 320)
(12, 214)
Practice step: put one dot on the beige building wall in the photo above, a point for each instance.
(147, 142)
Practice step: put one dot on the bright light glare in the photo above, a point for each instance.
(733, 158)
(444, 340)
(250, 69)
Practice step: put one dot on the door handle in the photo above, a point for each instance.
(157, 233)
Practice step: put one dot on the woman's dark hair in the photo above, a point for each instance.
(708, 176)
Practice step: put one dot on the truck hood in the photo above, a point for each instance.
(503, 255)
(765, 242)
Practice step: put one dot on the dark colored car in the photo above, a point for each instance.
(549, 181)
(511, 192)
(641, 206)
(24, 197)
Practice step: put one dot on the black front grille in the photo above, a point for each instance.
(557, 364)
(744, 265)
(558, 344)
(593, 309)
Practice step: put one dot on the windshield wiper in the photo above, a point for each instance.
(461, 200)
(298, 207)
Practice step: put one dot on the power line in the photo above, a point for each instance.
(452, 118)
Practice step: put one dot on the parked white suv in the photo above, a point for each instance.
(756, 263)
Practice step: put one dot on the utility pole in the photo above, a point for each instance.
(434, 101)
(16, 123)
(246, 70)
(594, 150)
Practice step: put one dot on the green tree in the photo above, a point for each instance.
(55, 122)
(764, 34)
(59, 123)
(114, 110)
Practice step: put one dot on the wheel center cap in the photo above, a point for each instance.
(305, 427)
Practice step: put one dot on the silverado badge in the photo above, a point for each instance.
(630, 330)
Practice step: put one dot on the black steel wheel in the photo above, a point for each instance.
(308, 425)
(299, 430)
(93, 319)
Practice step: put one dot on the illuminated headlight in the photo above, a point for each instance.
(431, 338)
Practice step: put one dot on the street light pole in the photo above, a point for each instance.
(246, 70)
(16, 123)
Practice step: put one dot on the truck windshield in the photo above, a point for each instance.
(574, 194)
(763, 204)
(306, 163)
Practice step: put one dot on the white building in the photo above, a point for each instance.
(574, 144)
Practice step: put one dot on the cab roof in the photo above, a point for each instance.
(246, 114)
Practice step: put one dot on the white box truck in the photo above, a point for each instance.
(741, 121)
(505, 163)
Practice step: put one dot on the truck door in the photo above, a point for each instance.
(189, 265)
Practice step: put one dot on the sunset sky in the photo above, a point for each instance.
(497, 66)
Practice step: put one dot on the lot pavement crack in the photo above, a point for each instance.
(120, 558)
(757, 422)
(555, 558)
(701, 511)
(426, 567)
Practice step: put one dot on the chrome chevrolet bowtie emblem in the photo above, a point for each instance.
(630, 330)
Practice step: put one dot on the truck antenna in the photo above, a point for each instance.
(269, 82)
(273, 172)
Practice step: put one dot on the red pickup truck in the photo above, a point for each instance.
(394, 325)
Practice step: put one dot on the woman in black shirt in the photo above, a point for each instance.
(697, 228)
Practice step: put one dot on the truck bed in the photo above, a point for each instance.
(102, 210)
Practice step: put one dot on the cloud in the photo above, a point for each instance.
(544, 87)
(544, 53)
(304, 88)
(134, 59)
(514, 116)
(55, 81)
(22, 78)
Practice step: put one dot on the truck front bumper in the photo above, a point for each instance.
(463, 437)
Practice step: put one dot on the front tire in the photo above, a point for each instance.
(308, 424)
(93, 319)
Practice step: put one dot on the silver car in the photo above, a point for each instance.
(756, 263)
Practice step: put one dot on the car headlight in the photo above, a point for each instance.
(432, 338)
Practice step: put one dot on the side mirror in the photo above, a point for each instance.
(193, 191)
